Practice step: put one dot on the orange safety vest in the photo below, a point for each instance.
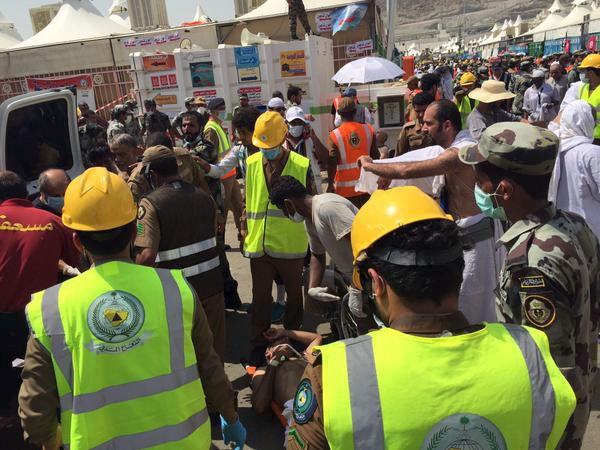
(353, 140)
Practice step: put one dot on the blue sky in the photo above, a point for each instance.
(179, 10)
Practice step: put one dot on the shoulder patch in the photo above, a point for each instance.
(539, 310)
(532, 282)
(141, 212)
(293, 435)
(305, 402)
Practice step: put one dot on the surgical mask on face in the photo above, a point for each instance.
(222, 115)
(297, 130)
(271, 154)
(583, 77)
(486, 205)
(55, 203)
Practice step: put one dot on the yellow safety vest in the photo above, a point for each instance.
(126, 370)
(594, 100)
(269, 230)
(465, 109)
(496, 388)
(224, 143)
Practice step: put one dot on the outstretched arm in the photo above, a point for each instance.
(446, 162)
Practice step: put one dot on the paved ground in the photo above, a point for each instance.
(265, 433)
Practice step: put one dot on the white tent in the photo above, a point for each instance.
(280, 7)
(9, 35)
(119, 13)
(553, 21)
(77, 20)
(518, 21)
(201, 15)
(575, 17)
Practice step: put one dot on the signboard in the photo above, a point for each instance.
(324, 22)
(293, 63)
(359, 48)
(247, 63)
(163, 81)
(254, 94)
(160, 39)
(83, 83)
(165, 100)
(202, 74)
(206, 94)
(158, 63)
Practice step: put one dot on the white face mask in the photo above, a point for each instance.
(297, 130)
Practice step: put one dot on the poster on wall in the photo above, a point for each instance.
(202, 74)
(83, 83)
(247, 63)
(206, 94)
(163, 81)
(324, 22)
(158, 63)
(254, 94)
(293, 63)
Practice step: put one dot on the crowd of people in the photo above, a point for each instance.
(116, 283)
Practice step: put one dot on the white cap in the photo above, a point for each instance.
(538, 73)
(555, 64)
(295, 112)
(276, 102)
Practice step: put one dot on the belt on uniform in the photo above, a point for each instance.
(480, 231)
(201, 268)
(187, 250)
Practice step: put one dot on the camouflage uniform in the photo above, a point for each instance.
(209, 153)
(114, 129)
(412, 138)
(134, 129)
(551, 276)
(188, 171)
(519, 84)
(296, 12)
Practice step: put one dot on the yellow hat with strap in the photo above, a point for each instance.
(98, 200)
(269, 131)
(387, 211)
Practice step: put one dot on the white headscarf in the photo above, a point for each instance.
(576, 125)
(576, 128)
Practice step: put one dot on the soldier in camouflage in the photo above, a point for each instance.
(117, 124)
(519, 83)
(132, 124)
(551, 276)
(297, 11)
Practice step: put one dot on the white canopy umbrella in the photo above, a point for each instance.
(366, 70)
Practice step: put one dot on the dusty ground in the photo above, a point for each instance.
(265, 433)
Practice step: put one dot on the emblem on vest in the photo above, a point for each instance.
(115, 318)
(354, 139)
(464, 431)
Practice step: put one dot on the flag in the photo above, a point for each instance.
(348, 17)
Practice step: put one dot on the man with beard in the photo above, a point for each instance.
(443, 123)
(125, 151)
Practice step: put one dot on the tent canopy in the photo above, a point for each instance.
(575, 17)
(280, 7)
(556, 7)
(118, 13)
(75, 21)
(552, 22)
(9, 35)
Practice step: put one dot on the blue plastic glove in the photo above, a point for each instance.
(235, 433)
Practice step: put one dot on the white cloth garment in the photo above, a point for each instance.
(575, 183)
(540, 104)
(571, 95)
(483, 263)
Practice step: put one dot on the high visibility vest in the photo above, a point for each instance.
(594, 100)
(353, 140)
(269, 230)
(464, 107)
(391, 390)
(125, 366)
(224, 144)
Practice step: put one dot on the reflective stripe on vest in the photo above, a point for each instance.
(187, 250)
(363, 408)
(78, 410)
(224, 144)
(348, 173)
(269, 230)
(594, 100)
(203, 267)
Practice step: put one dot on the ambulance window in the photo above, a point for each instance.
(37, 138)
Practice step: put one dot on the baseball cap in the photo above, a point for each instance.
(157, 152)
(244, 96)
(276, 103)
(216, 103)
(516, 147)
(295, 112)
(349, 92)
(538, 73)
(347, 105)
(189, 100)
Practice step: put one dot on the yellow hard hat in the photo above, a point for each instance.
(387, 211)
(467, 78)
(98, 200)
(591, 61)
(269, 131)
